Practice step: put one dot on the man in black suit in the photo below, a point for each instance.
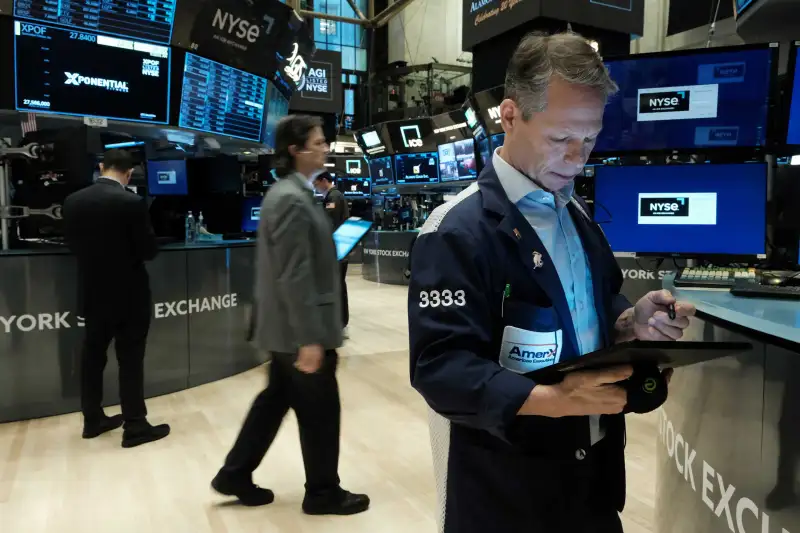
(338, 211)
(108, 229)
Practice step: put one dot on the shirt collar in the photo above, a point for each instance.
(518, 186)
(109, 178)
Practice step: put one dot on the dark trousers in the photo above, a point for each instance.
(315, 400)
(128, 329)
(345, 302)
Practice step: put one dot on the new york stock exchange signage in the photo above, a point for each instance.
(317, 80)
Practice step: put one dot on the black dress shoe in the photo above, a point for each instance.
(340, 503)
(139, 433)
(248, 493)
(95, 428)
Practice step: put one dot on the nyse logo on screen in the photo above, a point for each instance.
(315, 82)
(74, 78)
(255, 213)
(167, 177)
(664, 207)
(229, 23)
(730, 70)
(664, 102)
(151, 67)
(494, 114)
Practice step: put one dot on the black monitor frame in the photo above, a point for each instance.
(773, 97)
(791, 73)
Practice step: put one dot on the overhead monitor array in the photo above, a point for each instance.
(119, 60)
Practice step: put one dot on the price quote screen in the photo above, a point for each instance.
(221, 99)
(144, 20)
(77, 73)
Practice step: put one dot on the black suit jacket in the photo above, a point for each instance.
(108, 229)
(336, 207)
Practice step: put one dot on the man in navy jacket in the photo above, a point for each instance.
(512, 276)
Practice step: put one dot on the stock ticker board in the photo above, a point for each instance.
(141, 20)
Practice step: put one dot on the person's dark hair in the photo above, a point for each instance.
(294, 130)
(324, 176)
(119, 160)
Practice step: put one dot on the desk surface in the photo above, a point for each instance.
(779, 318)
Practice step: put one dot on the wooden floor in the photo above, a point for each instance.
(53, 481)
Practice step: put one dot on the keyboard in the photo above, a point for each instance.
(713, 277)
(756, 290)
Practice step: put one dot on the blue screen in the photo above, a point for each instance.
(251, 213)
(794, 110)
(167, 178)
(417, 168)
(277, 108)
(498, 140)
(700, 99)
(381, 170)
(683, 209)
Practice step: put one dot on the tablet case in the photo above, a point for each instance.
(662, 354)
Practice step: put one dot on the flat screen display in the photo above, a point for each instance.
(793, 136)
(277, 108)
(416, 168)
(488, 104)
(485, 150)
(220, 99)
(457, 161)
(349, 234)
(354, 187)
(167, 178)
(251, 213)
(73, 73)
(498, 140)
(683, 209)
(381, 171)
(141, 20)
(412, 136)
(686, 100)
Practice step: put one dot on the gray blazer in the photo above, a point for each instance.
(297, 272)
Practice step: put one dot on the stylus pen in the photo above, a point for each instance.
(671, 311)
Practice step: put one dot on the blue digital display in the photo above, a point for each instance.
(142, 20)
(793, 136)
(696, 99)
(167, 178)
(251, 213)
(277, 108)
(498, 140)
(416, 168)
(220, 99)
(381, 171)
(683, 209)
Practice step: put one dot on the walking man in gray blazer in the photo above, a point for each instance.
(298, 320)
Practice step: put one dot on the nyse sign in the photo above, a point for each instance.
(29, 322)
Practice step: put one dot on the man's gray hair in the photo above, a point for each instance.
(539, 57)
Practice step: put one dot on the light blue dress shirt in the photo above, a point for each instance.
(548, 215)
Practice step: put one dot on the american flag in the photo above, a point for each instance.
(28, 123)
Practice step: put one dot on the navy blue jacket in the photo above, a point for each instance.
(491, 464)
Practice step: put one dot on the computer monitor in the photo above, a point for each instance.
(277, 108)
(147, 21)
(380, 170)
(793, 126)
(498, 140)
(683, 210)
(354, 187)
(485, 150)
(422, 168)
(167, 178)
(251, 213)
(66, 72)
(220, 99)
(711, 98)
(457, 161)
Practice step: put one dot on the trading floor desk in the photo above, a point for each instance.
(385, 256)
(729, 433)
(201, 299)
